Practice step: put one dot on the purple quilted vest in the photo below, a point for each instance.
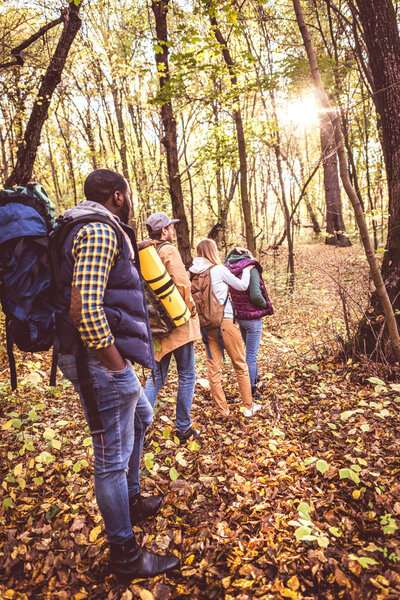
(244, 308)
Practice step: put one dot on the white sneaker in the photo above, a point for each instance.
(250, 412)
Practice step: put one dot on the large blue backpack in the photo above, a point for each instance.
(27, 217)
(30, 239)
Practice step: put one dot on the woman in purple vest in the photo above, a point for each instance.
(250, 306)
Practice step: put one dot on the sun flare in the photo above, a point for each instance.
(303, 112)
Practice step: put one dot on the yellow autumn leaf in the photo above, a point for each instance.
(189, 559)
(356, 494)
(18, 469)
(291, 594)
(94, 534)
(293, 583)
(243, 583)
(188, 572)
(7, 425)
(145, 595)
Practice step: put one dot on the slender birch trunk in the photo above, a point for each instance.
(350, 191)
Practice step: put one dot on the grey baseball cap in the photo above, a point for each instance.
(157, 221)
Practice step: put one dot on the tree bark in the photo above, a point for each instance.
(54, 173)
(344, 173)
(286, 213)
(237, 117)
(381, 35)
(27, 150)
(116, 94)
(160, 10)
(334, 216)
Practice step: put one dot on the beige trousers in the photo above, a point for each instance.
(234, 347)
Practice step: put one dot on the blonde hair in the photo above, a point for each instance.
(207, 248)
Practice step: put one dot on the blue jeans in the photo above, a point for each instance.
(251, 330)
(125, 414)
(184, 356)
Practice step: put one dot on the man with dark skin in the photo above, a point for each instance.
(102, 295)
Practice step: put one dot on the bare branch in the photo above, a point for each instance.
(16, 52)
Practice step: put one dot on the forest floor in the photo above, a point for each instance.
(300, 502)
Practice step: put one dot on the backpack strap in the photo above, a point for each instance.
(161, 244)
(72, 344)
(65, 225)
(54, 360)
(87, 391)
(204, 337)
(203, 330)
(11, 357)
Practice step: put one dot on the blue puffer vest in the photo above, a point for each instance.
(124, 299)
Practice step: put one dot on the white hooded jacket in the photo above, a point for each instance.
(221, 278)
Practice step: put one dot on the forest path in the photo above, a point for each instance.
(300, 502)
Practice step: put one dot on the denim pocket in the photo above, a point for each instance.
(121, 372)
(124, 382)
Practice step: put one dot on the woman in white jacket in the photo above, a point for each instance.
(230, 338)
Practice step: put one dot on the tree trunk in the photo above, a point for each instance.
(142, 185)
(87, 123)
(54, 173)
(237, 117)
(27, 150)
(287, 216)
(334, 216)
(368, 177)
(381, 35)
(344, 173)
(160, 9)
(66, 136)
(310, 210)
(218, 231)
(189, 176)
(116, 94)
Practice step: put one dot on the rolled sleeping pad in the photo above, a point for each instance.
(159, 280)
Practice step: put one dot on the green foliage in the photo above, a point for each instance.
(321, 466)
(388, 523)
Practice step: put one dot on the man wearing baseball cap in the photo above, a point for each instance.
(180, 341)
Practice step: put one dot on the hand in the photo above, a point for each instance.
(249, 267)
(241, 250)
(111, 358)
(145, 244)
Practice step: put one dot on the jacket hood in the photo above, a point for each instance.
(88, 207)
(200, 264)
(234, 258)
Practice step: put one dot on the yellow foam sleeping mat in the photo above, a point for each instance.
(159, 280)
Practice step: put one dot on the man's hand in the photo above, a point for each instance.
(110, 358)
